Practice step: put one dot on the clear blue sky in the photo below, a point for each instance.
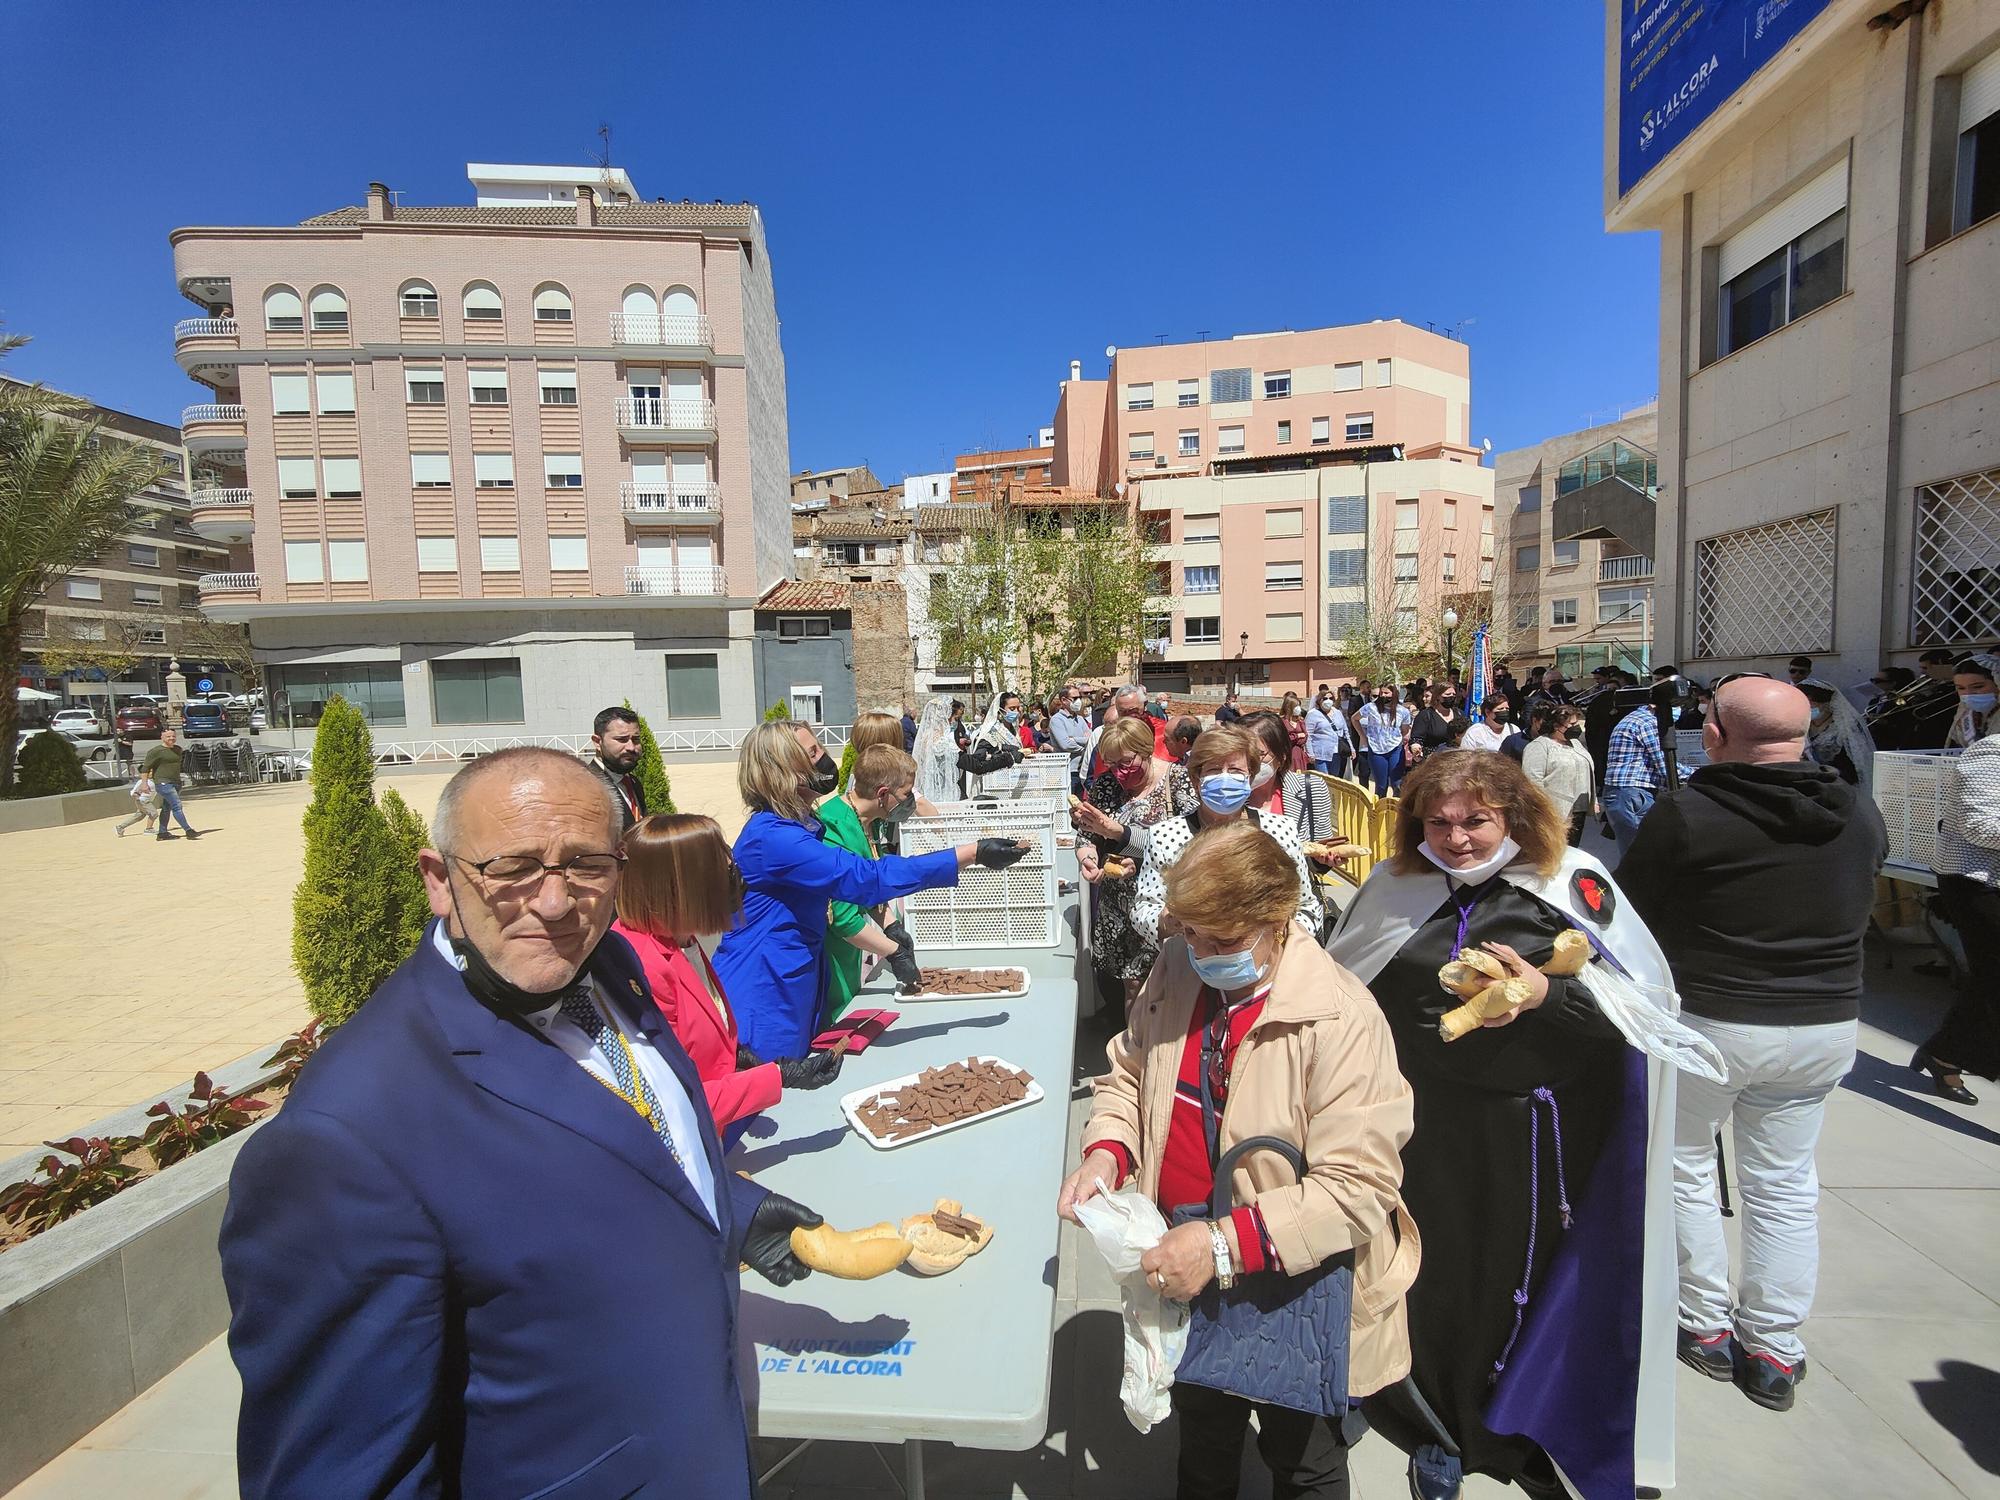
(959, 199)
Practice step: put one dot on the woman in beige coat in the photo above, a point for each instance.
(1294, 1047)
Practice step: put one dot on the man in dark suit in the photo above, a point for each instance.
(615, 737)
(489, 1246)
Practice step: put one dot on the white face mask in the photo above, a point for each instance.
(1263, 777)
(1492, 865)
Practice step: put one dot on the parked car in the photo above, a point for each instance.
(86, 751)
(257, 720)
(204, 719)
(137, 718)
(86, 722)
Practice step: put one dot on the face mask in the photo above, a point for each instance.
(1225, 792)
(1012, 716)
(501, 995)
(897, 812)
(1492, 865)
(1981, 703)
(1572, 734)
(826, 774)
(1228, 971)
(1264, 775)
(1132, 778)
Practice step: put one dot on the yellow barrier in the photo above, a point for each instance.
(1382, 837)
(1353, 823)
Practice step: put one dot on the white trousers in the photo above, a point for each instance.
(1779, 1077)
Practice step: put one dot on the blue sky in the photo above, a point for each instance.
(959, 200)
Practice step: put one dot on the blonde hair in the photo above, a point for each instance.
(875, 728)
(1132, 735)
(1233, 879)
(679, 877)
(1214, 746)
(879, 766)
(773, 773)
(1492, 780)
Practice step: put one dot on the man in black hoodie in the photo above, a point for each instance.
(1757, 879)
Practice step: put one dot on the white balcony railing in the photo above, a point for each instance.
(1631, 565)
(226, 583)
(205, 328)
(210, 412)
(212, 498)
(691, 499)
(684, 414)
(682, 331)
(702, 579)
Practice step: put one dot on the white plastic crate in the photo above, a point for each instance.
(1038, 775)
(1906, 789)
(1010, 908)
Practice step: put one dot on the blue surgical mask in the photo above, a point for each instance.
(1225, 792)
(1012, 716)
(1981, 703)
(1228, 971)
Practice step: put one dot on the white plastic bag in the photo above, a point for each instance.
(1124, 1226)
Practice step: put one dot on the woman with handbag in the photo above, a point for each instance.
(1246, 1035)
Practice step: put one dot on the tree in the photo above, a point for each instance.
(408, 836)
(66, 649)
(777, 712)
(654, 788)
(66, 492)
(971, 603)
(199, 638)
(49, 766)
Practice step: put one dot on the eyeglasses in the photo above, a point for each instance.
(521, 875)
(1729, 677)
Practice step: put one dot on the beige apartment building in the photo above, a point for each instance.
(1303, 486)
(489, 467)
(1573, 586)
(815, 489)
(1825, 181)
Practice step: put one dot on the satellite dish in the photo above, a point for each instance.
(1486, 444)
(1118, 488)
(1110, 351)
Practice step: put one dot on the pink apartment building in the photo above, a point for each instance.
(488, 467)
(1300, 483)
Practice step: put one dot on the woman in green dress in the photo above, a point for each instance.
(880, 788)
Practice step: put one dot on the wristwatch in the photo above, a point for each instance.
(1225, 1275)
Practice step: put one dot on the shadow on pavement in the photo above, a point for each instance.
(754, 1161)
(1963, 1401)
(897, 1036)
(1898, 1087)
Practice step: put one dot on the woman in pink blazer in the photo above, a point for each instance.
(680, 892)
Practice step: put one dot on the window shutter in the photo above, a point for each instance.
(1229, 385)
(428, 470)
(1778, 226)
(500, 554)
(569, 554)
(1979, 91)
(437, 554)
(289, 393)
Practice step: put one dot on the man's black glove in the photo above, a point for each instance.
(998, 854)
(814, 1070)
(898, 934)
(746, 1059)
(903, 963)
(767, 1243)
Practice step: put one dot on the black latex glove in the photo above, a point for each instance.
(998, 854)
(903, 964)
(814, 1070)
(767, 1243)
(746, 1059)
(898, 934)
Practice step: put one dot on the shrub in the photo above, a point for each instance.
(779, 710)
(48, 766)
(290, 1058)
(210, 1115)
(408, 836)
(654, 787)
(846, 766)
(346, 936)
(68, 1188)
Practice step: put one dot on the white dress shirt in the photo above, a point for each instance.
(683, 1124)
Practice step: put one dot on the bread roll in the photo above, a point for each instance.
(851, 1254)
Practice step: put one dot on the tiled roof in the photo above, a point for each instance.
(1060, 495)
(794, 594)
(877, 586)
(953, 517)
(856, 529)
(729, 216)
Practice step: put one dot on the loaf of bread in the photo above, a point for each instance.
(852, 1254)
(1482, 982)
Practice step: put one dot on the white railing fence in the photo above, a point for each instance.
(678, 330)
(698, 579)
(205, 328)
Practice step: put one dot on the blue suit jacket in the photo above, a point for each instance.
(773, 961)
(459, 1265)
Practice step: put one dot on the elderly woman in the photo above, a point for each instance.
(1247, 1013)
(1223, 766)
(774, 958)
(1556, 761)
(1542, 1329)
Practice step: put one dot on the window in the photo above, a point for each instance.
(1322, 429)
(1450, 513)
(1485, 571)
(303, 563)
(476, 692)
(1284, 432)
(1406, 617)
(144, 555)
(1346, 513)
(1406, 515)
(437, 554)
(1347, 377)
(86, 588)
(1229, 385)
(558, 387)
(1344, 620)
(1562, 612)
(1524, 617)
(1448, 566)
(1623, 606)
(500, 554)
(291, 393)
(347, 562)
(424, 387)
(1406, 567)
(329, 311)
(1190, 443)
(342, 477)
(482, 303)
(1527, 559)
(1955, 582)
(1282, 628)
(152, 635)
(569, 554)
(283, 312)
(1284, 575)
(300, 693)
(430, 471)
(1384, 372)
(1346, 567)
(1615, 459)
(563, 471)
(1229, 440)
(1360, 426)
(1976, 180)
(493, 471)
(694, 687)
(419, 300)
(148, 594)
(1565, 554)
(1284, 523)
(1206, 528)
(1789, 261)
(552, 305)
(1206, 579)
(1139, 445)
(1205, 632)
(804, 627)
(489, 387)
(1139, 397)
(1188, 393)
(297, 479)
(1277, 385)
(1530, 498)
(1766, 590)
(336, 392)
(88, 630)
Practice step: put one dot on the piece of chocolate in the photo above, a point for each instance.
(965, 1229)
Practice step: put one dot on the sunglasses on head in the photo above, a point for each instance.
(1727, 678)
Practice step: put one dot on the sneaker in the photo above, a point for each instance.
(1714, 1354)
(1768, 1380)
(192, 834)
(119, 830)
(166, 835)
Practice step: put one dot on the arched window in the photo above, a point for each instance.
(282, 311)
(482, 303)
(419, 300)
(552, 305)
(329, 310)
(680, 304)
(639, 307)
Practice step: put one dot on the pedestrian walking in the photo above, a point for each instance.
(1382, 735)
(163, 765)
(1774, 981)
(1635, 768)
(147, 797)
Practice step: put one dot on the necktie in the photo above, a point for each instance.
(631, 1084)
(631, 790)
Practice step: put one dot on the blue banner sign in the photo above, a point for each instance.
(1476, 683)
(1680, 60)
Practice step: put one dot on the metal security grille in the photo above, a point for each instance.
(1955, 583)
(1766, 590)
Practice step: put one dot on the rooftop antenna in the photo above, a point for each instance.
(603, 159)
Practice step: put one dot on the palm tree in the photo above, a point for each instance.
(65, 495)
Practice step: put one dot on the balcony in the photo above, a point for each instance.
(221, 515)
(1624, 569)
(691, 505)
(206, 349)
(211, 429)
(649, 419)
(650, 331)
(228, 588)
(700, 580)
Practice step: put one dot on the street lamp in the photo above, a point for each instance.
(1450, 625)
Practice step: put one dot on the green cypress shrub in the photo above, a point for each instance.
(652, 771)
(779, 710)
(408, 836)
(846, 765)
(345, 935)
(48, 766)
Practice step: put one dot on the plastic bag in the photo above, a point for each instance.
(1124, 1226)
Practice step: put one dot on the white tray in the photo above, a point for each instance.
(1019, 992)
(850, 1104)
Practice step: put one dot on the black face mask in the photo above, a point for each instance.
(900, 811)
(502, 995)
(826, 774)
(1573, 734)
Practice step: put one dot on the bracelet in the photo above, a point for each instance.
(1225, 1274)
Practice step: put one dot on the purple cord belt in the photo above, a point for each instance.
(1540, 1096)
